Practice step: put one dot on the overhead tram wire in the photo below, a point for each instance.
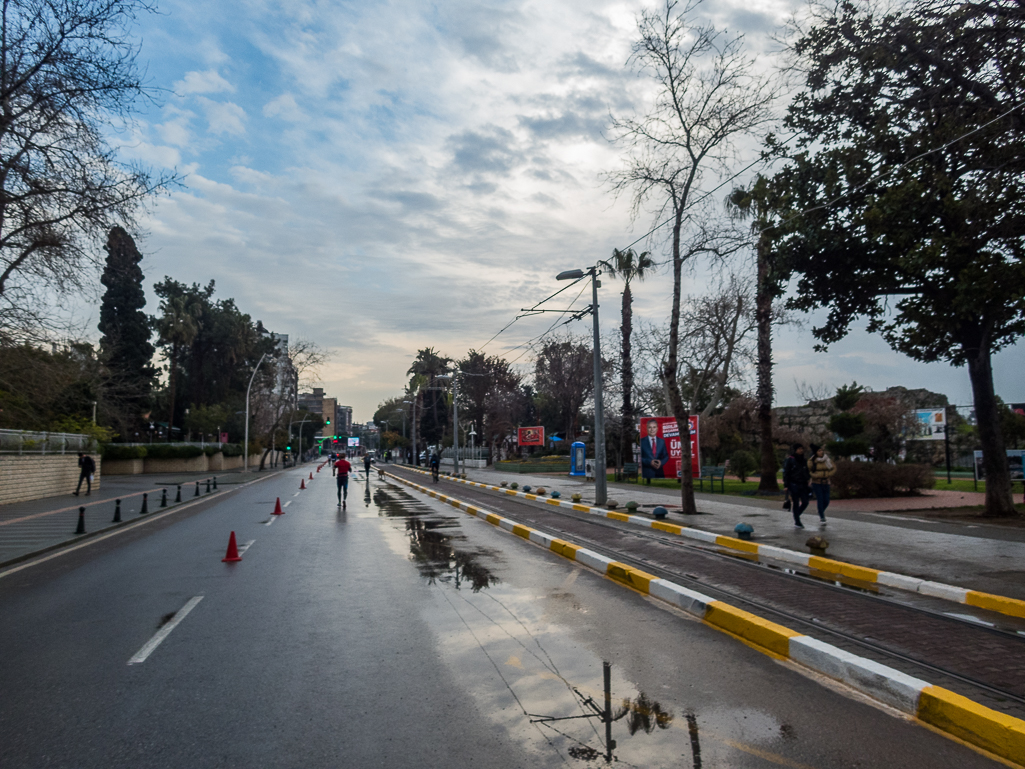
(797, 214)
(550, 328)
(528, 313)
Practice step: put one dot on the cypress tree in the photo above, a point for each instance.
(125, 346)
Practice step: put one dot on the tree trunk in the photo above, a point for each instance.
(999, 503)
(171, 380)
(763, 318)
(669, 378)
(626, 432)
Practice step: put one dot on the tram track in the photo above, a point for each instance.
(984, 663)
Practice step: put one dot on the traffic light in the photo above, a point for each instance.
(327, 422)
(288, 448)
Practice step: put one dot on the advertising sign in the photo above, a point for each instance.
(1018, 408)
(932, 425)
(354, 442)
(661, 449)
(224, 437)
(530, 436)
(1015, 462)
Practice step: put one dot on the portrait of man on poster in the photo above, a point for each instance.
(653, 453)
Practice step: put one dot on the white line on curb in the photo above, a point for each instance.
(164, 632)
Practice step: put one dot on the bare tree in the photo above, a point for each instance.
(708, 97)
(68, 80)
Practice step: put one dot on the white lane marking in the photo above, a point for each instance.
(245, 546)
(286, 504)
(296, 494)
(270, 520)
(164, 632)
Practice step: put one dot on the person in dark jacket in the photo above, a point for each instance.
(795, 478)
(86, 468)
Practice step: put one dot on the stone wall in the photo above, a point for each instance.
(34, 476)
(201, 464)
(123, 467)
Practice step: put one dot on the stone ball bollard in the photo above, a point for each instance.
(660, 512)
(556, 494)
(540, 491)
(817, 545)
(526, 489)
(514, 485)
(503, 484)
(743, 531)
(612, 504)
(576, 497)
(631, 507)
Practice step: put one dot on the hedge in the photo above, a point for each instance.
(880, 479)
(172, 451)
(116, 451)
(232, 449)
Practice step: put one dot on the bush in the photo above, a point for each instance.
(211, 450)
(742, 463)
(115, 452)
(172, 451)
(879, 479)
(232, 449)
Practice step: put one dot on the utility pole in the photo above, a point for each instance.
(245, 447)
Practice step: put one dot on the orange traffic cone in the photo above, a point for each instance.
(318, 468)
(277, 508)
(232, 554)
(302, 484)
(311, 476)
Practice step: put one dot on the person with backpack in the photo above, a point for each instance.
(795, 479)
(87, 466)
(820, 469)
(341, 470)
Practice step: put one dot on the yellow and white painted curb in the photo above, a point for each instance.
(1012, 607)
(995, 732)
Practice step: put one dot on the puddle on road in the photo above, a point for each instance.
(540, 683)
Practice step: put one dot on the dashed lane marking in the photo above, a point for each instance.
(165, 631)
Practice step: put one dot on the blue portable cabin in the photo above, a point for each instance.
(577, 456)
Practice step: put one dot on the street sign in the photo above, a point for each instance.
(932, 425)
(530, 436)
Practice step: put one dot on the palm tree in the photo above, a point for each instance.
(177, 327)
(629, 266)
(428, 365)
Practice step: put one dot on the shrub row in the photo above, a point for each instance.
(115, 451)
(879, 479)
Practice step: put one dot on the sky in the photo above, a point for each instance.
(379, 177)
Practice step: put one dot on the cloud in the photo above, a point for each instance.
(284, 107)
(209, 81)
(224, 117)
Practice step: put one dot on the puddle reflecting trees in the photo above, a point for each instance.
(433, 542)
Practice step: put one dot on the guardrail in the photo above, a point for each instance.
(24, 442)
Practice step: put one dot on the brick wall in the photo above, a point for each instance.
(36, 476)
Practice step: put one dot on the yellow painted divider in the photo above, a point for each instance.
(830, 566)
(565, 549)
(672, 528)
(737, 544)
(972, 722)
(635, 578)
(492, 518)
(1002, 604)
(521, 531)
(761, 632)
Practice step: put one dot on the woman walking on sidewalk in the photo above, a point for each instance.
(795, 478)
(821, 469)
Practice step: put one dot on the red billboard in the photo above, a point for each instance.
(661, 449)
(530, 436)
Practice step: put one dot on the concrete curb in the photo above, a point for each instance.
(1012, 607)
(982, 727)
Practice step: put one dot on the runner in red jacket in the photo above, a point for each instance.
(341, 470)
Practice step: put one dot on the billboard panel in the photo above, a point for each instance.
(661, 448)
(530, 436)
(1015, 463)
(932, 425)
(354, 443)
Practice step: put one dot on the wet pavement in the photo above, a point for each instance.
(394, 632)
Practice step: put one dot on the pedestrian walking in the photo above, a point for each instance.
(86, 468)
(820, 469)
(795, 478)
(341, 470)
(366, 463)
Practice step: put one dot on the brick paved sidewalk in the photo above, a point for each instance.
(972, 555)
(41, 524)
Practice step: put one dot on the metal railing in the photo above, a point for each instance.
(24, 442)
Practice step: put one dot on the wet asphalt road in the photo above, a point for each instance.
(398, 633)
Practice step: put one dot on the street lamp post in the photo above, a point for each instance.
(455, 417)
(416, 457)
(245, 447)
(600, 481)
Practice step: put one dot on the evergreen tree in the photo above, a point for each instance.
(125, 346)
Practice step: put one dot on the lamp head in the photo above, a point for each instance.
(570, 275)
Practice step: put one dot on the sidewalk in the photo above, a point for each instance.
(42, 524)
(978, 556)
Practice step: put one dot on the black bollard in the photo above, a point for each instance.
(207, 485)
(179, 497)
(197, 489)
(215, 483)
(117, 511)
(145, 506)
(81, 521)
(163, 498)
